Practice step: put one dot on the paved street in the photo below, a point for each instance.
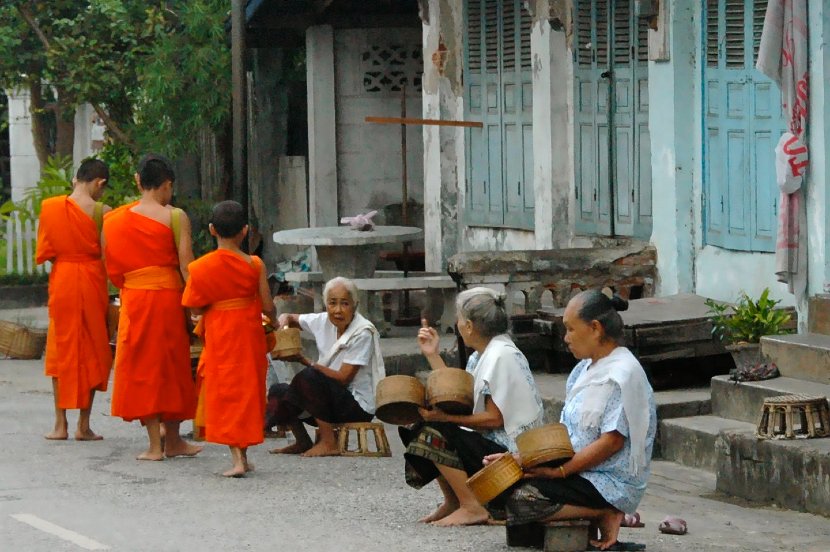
(96, 494)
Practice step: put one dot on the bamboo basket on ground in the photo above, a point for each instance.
(450, 390)
(546, 444)
(495, 478)
(397, 399)
(288, 342)
(21, 342)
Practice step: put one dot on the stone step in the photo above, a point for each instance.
(800, 356)
(792, 474)
(691, 441)
(743, 401)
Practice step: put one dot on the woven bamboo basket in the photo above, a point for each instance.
(398, 398)
(541, 445)
(288, 342)
(495, 478)
(17, 341)
(450, 390)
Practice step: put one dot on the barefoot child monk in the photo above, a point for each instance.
(153, 380)
(78, 356)
(230, 289)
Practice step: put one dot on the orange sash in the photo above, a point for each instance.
(154, 278)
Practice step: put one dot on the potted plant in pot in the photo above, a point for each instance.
(741, 326)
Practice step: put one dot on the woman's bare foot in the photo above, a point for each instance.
(57, 435)
(87, 435)
(322, 449)
(609, 529)
(148, 455)
(293, 448)
(181, 448)
(444, 509)
(236, 471)
(465, 515)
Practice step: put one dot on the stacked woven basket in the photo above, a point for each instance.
(18, 341)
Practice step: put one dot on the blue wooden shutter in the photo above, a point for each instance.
(743, 124)
(517, 116)
(642, 169)
(624, 112)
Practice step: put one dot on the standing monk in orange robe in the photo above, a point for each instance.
(230, 290)
(153, 381)
(78, 356)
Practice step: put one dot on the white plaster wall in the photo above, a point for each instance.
(369, 155)
(25, 167)
(723, 274)
(497, 239)
(818, 199)
(88, 134)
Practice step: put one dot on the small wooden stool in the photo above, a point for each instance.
(553, 536)
(793, 417)
(361, 429)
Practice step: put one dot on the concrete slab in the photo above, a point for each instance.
(794, 474)
(743, 401)
(802, 356)
(35, 317)
(691, 441)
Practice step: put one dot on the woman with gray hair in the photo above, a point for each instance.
(506, 403)
(340, 387)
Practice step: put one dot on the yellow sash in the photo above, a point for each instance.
(154, 278)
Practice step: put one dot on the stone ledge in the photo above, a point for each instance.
(802, 356)
(744, 400)
(793, 474)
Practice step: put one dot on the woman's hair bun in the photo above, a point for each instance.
(619, 303)
(499, 299)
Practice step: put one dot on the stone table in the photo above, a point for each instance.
(342, 251)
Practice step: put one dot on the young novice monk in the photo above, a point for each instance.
(78, 357)
(230, 290)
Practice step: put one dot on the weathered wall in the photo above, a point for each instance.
(25, 167)
(369, 155)
(818, 200)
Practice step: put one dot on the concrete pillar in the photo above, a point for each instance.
(673, 127)
(322, 138)
(88, 134)
(553, 169)
(444, 158)
(25, 166)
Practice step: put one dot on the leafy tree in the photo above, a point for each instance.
(155, 71)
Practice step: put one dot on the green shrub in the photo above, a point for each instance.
(748, 320)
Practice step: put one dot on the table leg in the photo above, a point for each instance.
(347, 261)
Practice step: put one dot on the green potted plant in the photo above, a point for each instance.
(741, 326)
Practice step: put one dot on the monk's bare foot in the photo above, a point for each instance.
(57, 435)
(182, 449)
(249, 467)
(293, 448)
(609, 529)
(87, 435)
(236, 471)
(443, 510)
(322, 449)
(465, 515)
(152, 456)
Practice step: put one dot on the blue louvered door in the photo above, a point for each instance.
(499, 93)
(743, 122)
(612, 148)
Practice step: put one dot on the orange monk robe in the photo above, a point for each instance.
(77, 345)
(152, 354)
(233, 362)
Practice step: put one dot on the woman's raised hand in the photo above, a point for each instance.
(283, 320)
(428, 339)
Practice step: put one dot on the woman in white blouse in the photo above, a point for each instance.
(450, 447)
(340, 387)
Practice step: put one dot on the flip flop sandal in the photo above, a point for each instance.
(673, 526)
(632, 520)
(620, 545)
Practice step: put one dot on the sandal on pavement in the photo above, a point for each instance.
(620, 545)
(632, 520)
(673, 526)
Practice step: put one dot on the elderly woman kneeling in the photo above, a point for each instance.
(506, 403)
(611, 420)
(340, 387)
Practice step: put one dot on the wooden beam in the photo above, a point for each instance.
(430, 122)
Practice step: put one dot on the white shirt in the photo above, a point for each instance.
(357, 353)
